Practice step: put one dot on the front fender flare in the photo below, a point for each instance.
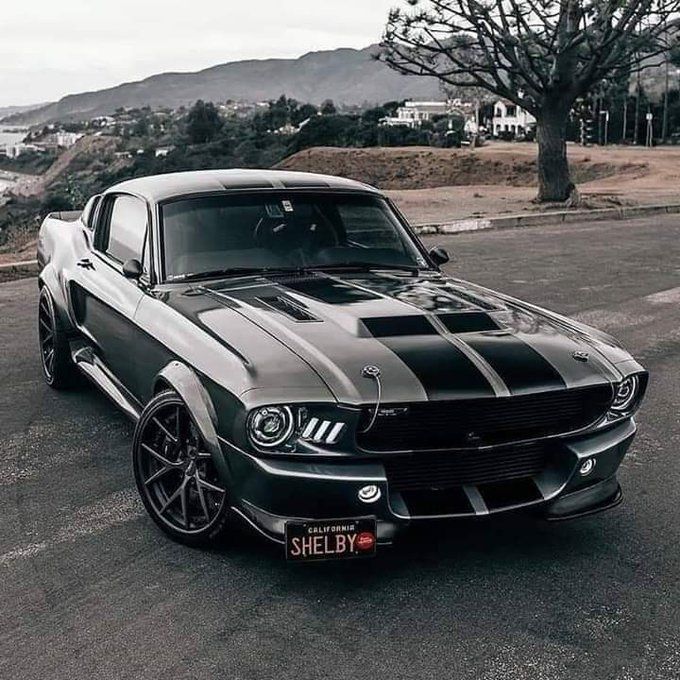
(186, 383)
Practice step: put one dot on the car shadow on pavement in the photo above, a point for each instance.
(518, 541)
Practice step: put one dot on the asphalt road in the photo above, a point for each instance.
(89, 588)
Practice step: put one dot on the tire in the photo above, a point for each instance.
(175, 475)
(55, 353)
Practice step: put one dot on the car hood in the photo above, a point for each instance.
(431, 337)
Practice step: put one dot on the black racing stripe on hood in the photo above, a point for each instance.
(468, 322)
(327, 290)
(520, 367)
(442, 369)
(394, 326)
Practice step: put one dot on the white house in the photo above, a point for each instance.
(511, 118)
(103, 121)
(163, 151)
(65, 140)
(413, 114)
(16, 150)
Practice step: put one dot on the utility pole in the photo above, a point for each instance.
(624, 130)
(664, 124)
(664, 127)
(637, 109)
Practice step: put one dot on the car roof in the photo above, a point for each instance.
(157, 188)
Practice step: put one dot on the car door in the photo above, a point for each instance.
(106, 299)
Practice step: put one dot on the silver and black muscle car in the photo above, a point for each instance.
(293, 357)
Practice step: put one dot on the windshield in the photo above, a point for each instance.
(201, 236)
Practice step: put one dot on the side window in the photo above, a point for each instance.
(126, 233)
(369, 226)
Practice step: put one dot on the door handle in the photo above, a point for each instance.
(85, 263)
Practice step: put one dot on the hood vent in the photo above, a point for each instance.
(395, 326)
(289, 308)
(292, 277)
(468, 322)
(472, 299)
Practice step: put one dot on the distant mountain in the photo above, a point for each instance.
(6, 111)
(347, 76)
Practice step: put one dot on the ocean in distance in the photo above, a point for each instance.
(9, 135)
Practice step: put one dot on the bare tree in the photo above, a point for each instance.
(540, 54)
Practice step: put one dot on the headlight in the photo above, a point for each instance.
(626, 395)
(270, 426)
(294, 429)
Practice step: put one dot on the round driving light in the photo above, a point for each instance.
(369, 494)
(626, 394)
(270, 426)
(587, 467)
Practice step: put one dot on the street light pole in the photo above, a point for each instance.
(606, 127)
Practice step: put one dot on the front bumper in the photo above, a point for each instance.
(269, 492)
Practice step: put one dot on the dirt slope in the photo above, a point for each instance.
(89, 151)
(425, 167)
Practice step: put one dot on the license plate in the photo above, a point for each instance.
(330, 539)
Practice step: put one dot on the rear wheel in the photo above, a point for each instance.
(175, 474)
(55, 355)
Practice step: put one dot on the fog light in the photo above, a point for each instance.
(369, 494)
(587, 467)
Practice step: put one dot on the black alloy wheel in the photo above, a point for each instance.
(55, 356)
(175, 473)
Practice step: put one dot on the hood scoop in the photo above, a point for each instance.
(291, 309)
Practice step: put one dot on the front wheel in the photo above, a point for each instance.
(175, 474)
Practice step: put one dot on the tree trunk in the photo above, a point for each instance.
(554, 180)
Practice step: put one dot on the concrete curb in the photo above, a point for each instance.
(537, 219)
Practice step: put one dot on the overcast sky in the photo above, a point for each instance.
(50, 48)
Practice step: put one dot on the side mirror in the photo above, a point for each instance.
(439, 255)
(132, 269)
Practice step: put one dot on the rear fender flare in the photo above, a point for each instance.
(48, 278)
(185, 382)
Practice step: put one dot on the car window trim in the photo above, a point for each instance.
(103, 222)
(89, 220)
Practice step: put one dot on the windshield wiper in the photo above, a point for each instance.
(264, 271)
(365, 266)
(233, 271)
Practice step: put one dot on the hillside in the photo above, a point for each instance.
(347, 76)
(426, 167)
(6, 111)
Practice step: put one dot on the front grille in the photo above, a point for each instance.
(471, 423)
(435, 471)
